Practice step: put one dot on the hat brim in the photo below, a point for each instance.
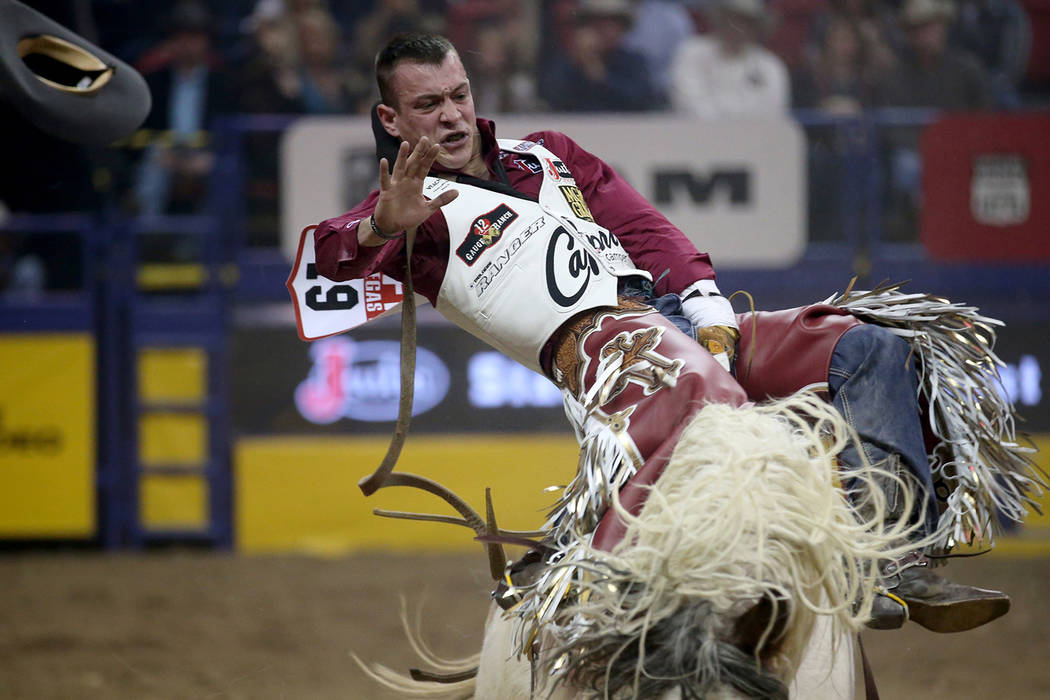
(64, 84)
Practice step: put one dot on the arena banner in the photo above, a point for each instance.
(738, 190)
(47, 435)
(349, 384)
(986, 188)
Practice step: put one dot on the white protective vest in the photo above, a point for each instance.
(518, 269)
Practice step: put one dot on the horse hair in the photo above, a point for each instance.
(680, 651)
(749, 513)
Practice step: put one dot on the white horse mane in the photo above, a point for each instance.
(749, 508)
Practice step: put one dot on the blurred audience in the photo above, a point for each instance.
(930, 73)
(999, 34)
(596, 71)
(189, 89)
(660, 26)
(848, 52)
(501, 78)
(708, 58)
(390, 17)
(326, 83)
(840, 74)
(728, 73)
(268, 74)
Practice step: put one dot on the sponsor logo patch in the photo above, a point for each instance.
(495, 267)
(527, 163)
(484, 232)
(557, 169)
(576, 201)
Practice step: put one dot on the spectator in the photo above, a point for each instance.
(930, 74)
(660, 26)
(391, 17)
(999, 34)
(837, 78)
(269, 72)
(596, 72)
(874, 26)
(500, 80)
(326, 85)
(730, 74)
(188, 91)
(840, 75)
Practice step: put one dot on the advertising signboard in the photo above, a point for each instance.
(738, 190)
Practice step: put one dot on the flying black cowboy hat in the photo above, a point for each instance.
(63, 83)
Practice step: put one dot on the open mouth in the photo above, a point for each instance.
(454, 139)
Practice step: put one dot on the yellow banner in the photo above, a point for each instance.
(47, 435)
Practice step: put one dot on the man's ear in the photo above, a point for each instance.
(386, 118)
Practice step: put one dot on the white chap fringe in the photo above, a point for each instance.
(749, 509)
(408, 687)
(978, 458)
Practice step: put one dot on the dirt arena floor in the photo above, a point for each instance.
(219, 626)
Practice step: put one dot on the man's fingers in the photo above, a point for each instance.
(402, 159)
(443, 199)
(429, 157)
(384, 174)
(417, 165)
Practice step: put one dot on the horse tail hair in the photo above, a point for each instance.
(436, 684)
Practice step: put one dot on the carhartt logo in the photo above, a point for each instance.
(484, 232)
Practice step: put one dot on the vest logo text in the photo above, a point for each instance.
(484, 232)
(576, 202)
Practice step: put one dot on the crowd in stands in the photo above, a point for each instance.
(709, 59)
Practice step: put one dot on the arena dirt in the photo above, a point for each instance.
(220, 626)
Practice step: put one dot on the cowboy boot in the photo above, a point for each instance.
(911, 591)
(908, 589)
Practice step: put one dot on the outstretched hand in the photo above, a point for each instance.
(401, 204)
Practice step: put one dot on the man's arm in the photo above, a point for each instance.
(654, 243)
(340, 252)
(351, 247)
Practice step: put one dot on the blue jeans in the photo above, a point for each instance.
(874, 384)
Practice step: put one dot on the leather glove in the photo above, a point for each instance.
(720, 341)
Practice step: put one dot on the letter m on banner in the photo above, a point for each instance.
(323, 307)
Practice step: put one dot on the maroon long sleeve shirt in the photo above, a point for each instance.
(653, 242)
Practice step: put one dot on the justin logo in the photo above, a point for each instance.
(484, 232)
(556, 169)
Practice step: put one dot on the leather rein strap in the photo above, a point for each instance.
(871, 691)
(374, 481)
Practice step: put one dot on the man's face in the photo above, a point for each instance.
(929, 38)
(434, 101)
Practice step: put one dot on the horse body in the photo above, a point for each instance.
(745, 569)
(746, 574)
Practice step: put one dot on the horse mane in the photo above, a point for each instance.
(744, 539)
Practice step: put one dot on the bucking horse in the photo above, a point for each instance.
(733, 555)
